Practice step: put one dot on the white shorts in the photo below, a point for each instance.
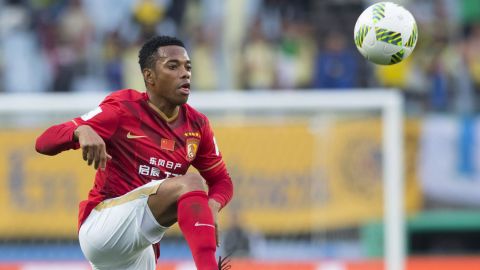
(119, 232)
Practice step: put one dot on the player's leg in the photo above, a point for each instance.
(185, 199)
(119, 232)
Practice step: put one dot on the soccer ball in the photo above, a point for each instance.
(385, 33)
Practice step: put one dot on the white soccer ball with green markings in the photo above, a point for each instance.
(385, 33)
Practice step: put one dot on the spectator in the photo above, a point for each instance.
(336, 65)
(206, 73)
(113, 61)
(296, 56)
(259, 61)
(148, 14)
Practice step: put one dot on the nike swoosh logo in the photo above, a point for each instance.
(198, 224)
(131, 136)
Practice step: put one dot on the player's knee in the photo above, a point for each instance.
(192, 182)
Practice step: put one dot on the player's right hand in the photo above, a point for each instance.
(93, 147)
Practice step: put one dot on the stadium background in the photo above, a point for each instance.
(86, 46)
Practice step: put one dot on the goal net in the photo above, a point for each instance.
(314, 173)
(311, 169)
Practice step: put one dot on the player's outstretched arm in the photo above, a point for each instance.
(85, 131)
(93, 146)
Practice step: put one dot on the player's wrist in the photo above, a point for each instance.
(77, 132)
(75, 135)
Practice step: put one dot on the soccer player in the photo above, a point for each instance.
(142, 145)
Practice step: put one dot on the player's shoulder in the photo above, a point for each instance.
(124, 95)
(194, 114)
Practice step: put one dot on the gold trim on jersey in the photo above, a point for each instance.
(162, 114)
(128, 197)
(195, 134)
(213, 166)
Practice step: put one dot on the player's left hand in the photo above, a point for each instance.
(93, 147)
(215, 208)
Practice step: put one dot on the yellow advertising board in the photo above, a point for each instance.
(39, 194)
(298, 177)
(288, 177)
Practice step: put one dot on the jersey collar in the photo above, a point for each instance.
(162, 114)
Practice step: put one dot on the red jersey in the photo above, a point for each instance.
(145, 145)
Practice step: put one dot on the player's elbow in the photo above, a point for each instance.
(42, 148)
(226, 191)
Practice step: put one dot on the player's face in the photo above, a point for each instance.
(172, 73)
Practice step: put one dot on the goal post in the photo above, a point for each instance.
(388, 101)
(36, 111)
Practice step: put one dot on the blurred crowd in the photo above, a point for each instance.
(92, 45)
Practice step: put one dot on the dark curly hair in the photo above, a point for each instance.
(148, 54)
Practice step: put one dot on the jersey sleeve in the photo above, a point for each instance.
(103, 119)
(210, 164)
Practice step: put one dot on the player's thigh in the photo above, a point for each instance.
(118, 230)
(145, 260)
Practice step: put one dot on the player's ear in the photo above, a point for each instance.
(148, 76)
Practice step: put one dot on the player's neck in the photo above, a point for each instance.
(169, 113)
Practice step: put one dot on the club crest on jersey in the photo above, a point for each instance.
(192, 147)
